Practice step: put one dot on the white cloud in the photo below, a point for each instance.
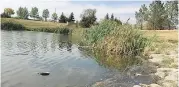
(67, 7)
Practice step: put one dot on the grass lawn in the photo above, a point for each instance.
(34, 24)
(163, 34)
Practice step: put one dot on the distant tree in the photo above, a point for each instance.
(118, 21)
(3, 15)
(112, 17)
(142, 15)
(107, 16)
(157, 14)
(8, 11)
(171, 9)
(138, 19)
(54, 16)
(88, 18)
(34, 13)
(45, 14)
(25, 13)
(63, 18)
(22, 13)
(71, 18)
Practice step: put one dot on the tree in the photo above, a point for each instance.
(157, 14)
(3, 15)
(112, 17)
(25, 13)
(22, 13)
(118, 21)
(171, 9)
(63, 18)
(141, 16)
(34, 13)
(88, 17)
(45, 14)
(107, 17)
(54, 16)
(71, 18)
(8, 11)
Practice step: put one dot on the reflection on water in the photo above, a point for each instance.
(112, 61)
(26, 53)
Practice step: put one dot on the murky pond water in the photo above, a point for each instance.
(25, 53)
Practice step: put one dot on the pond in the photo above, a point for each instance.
(25, 53)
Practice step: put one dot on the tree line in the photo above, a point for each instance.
(23, 13)
(88, 16)
(158, 15)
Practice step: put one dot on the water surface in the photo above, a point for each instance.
(25, 53)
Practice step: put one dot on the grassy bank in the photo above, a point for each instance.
(31, 25)
(158, 48)
(117, 46)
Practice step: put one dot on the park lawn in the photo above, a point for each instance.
(34, 24)
(163, 34)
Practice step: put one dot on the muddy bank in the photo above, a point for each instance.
(160, 70)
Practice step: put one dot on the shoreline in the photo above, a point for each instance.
(161, 75)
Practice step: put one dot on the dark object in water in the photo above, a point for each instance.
(44, 73)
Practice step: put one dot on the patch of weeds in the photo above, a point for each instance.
(167, 61)
(158, 51)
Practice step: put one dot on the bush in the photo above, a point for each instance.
(4, 15)
(98, 32)
(116, 43)
(11, 26)
(125, 42)
(15, 26)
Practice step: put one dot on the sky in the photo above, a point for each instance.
(121, 9)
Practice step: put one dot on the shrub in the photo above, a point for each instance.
(116, 43)
(11, 26)
(4, 15)
(98, 32)
(125, 42)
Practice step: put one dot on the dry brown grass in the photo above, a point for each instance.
(164, 42)
(163, 34)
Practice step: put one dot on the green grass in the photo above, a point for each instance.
(31, 25)
(116, 45)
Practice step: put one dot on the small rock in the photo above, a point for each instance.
(136, 86)
(154, 85)
(98, 84)
(156, 60)
(172, 76)
(168, 84)
(160, 74)
(164, 69)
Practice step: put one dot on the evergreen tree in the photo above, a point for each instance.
(118, 21)
(63, 18)
(71, 18)
(107, 17)
(112, 17)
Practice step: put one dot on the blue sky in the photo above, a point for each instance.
(121, 9)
